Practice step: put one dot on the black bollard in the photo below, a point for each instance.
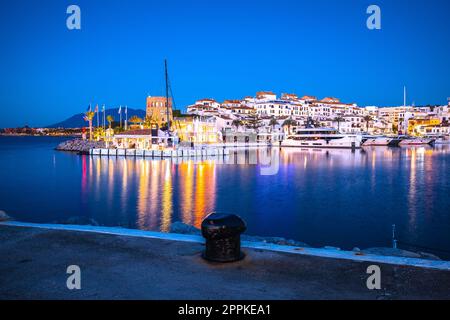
(223, 237)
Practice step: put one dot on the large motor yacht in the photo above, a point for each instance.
(322, 138)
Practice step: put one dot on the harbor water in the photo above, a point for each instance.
(340, 198)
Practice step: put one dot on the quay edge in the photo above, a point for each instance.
(329, 253)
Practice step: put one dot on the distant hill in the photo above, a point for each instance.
(77, 121)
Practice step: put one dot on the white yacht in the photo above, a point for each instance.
(322, 138)
(411, 141)
(439, 139)
(376, 141)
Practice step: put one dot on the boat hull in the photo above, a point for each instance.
(373, 142)
(343, 143)
(416, 142)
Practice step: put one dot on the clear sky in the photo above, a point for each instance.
(219, 49)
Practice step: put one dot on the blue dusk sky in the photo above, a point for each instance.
(219, 49)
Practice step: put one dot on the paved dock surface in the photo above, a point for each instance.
(33, 265)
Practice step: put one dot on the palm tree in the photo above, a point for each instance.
(253, 121)
(367, 119)
(288, 123)
(273, 122)
(339, 119)
(236, 123)
(135, 119)
(110, 119)
(88, 116)
(99, 133)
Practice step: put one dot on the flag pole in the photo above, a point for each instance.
(120, 113)
(104, 118)
(126, 117)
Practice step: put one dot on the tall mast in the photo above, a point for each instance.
(404, 96)
(167, 96)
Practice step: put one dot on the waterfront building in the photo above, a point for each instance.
(423, 130)
(443, 113)
(203, 106)
(208, 102)
(421, 122)
(274, 108)
(197, 129)
(350, 124)
(308, 99)
(224, 123)
(242, 110)
(156, 110)
(232, 103)
(202, 110)
(266, 96)
(289, 97)
(134, 139)
(325, 112)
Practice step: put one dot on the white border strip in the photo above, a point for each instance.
(315, 252)
(109, 230)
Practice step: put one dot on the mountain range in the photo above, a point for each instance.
(77, 120)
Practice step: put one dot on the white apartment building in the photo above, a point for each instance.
(265, 96)
(273, 108)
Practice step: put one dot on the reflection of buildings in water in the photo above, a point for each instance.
(316, 157)
(251, 156)
(143, 192)
(83, 174)
(152, 215)
(186, 187)
(97, 182)
(205, 191)
(167, 196)
(428, 177)
(124, 186)
(111, 166)
(196, 190)
(412, 204)
(154, 194)
(420, 192)
(84, 186)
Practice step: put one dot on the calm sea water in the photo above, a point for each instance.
(336, 197)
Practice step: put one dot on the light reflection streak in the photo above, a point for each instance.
(412, 189)
(187, 190)
(166, 198)
(143, 194)
(151, 187)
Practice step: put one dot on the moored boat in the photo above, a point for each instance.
(395, 141)
(322, 138)
(376, 141)
(440, 139)
(416, 141)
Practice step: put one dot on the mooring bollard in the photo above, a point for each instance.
(223, 237)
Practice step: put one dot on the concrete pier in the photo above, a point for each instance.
(163, 154)
(138, 267)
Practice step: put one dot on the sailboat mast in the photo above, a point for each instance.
(167, 96)
(404, 96)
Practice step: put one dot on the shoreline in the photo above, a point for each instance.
(39, 135)
(254, 242)
(123, 266)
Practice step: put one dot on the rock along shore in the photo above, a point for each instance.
(182, 228)
(79, 145)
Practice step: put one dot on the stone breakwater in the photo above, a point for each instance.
(4, 216)
(78, 145)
